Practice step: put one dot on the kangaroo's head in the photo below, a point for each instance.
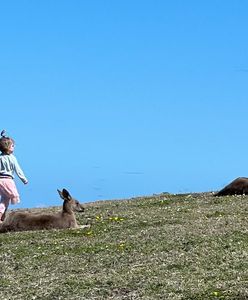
(70, 204)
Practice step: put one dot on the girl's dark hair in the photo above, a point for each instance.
(5, 143)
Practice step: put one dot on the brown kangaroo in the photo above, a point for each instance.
(23, 221)
(239, 186)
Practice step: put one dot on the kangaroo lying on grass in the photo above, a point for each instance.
(239, 186)
(23, 221)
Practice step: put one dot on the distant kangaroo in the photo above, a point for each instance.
(239, 186)
(23, 221)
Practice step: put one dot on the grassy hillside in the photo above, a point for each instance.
(160, 247)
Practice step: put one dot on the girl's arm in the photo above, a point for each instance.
(19, 171)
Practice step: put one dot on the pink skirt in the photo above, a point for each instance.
(8, 191)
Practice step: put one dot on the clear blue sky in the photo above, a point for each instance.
(117, 99)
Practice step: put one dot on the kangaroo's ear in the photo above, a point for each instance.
(60, 193)
(66, 194)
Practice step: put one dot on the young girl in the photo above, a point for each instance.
(8, 166)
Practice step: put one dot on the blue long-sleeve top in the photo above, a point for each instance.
(10, 166)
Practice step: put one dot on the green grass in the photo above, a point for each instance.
(160, 247)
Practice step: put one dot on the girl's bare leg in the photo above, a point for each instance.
(4, 203)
